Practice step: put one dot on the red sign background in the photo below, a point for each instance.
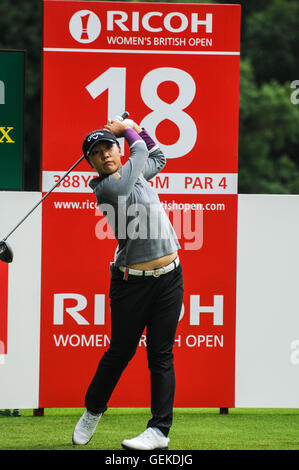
(3, 307)
(76, 262)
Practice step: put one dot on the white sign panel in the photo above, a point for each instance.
(267, 328)
(19, 361)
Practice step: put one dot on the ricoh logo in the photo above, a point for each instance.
(60, 310)
(85, 25)
(156, 21)
(62, 314)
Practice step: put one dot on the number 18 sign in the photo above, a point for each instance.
(175, 68)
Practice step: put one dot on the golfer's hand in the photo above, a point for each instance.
(116, 127)
(136, 128)
(133, 125)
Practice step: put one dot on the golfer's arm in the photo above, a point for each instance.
(156, 161)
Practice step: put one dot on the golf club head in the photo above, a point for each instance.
(6, 253)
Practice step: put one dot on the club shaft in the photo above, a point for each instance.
(44, 197)
(124, 116)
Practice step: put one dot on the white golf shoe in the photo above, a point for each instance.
(85, 428)
(150, 439)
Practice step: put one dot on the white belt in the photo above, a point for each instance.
(153, 272)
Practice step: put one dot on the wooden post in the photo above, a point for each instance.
(39, 412)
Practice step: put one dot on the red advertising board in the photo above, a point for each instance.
(3, 310)
(175, 68)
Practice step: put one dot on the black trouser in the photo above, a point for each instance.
(136, 303)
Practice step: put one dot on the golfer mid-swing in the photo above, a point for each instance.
(146, 288)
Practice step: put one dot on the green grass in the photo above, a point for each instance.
(193, 429)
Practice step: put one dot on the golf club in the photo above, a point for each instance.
(6, 253)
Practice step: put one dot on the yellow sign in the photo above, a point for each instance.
(5, 135)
